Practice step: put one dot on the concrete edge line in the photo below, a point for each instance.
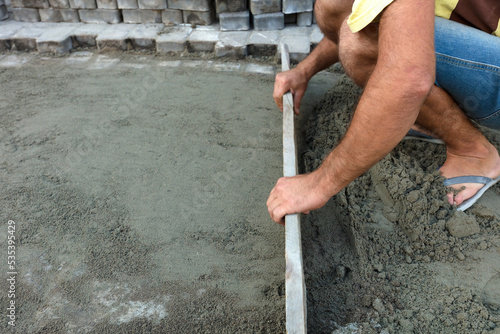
(97, 61)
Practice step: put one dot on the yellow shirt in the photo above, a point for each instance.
(366, 11)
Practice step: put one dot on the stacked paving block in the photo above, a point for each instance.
(233, 15)
(194, 12)
(169, 12)
(301, 9)
(267, 14)
(4, 14)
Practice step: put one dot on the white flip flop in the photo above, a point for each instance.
(488, 183)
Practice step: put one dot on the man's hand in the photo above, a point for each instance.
(301, 193)
(294, 81)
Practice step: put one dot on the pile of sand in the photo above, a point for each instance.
(389, 254)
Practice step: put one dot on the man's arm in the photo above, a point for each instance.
(393, 96)
(297, 79)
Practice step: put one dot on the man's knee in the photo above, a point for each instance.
(329, 16)
(358, 52)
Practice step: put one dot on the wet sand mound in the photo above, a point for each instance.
(388, 253)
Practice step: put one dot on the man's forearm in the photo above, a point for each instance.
(325, 54)
(393, 96)
(384, 115)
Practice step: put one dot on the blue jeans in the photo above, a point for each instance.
(468, 68)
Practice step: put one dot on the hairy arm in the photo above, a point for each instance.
(296, 80)
(393, 96)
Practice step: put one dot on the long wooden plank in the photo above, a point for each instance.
(296, 312)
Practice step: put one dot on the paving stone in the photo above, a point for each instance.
(265, 6)
(273, 21)
(304, 19)
(264, 37)
(55, 40)
(4, 12)
(25, 38)
(6, 33)
(232, 44)
(127, 4)
(297, 6)
(198, 18)
(141, 16)
(100, 16)
(203, 41)
(230, 6)
(152, 4)
(211, 27)
(59, 15)
(26, 14)
(173, 41)
(192, 5)
(298, 46)
(234, 38)
(171, 16)
(106, 4)
(83, 4)
(234, 21)
(30, 3)
(86, 34)
(114, 38)
(61, 4)
(144, 36)
(263, 43)
(315, 35)
(295, 31)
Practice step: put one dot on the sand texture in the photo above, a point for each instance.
(388, 254)
(138, 193)
(138, 188)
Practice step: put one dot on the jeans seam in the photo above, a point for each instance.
(468, 63)
(492, 116)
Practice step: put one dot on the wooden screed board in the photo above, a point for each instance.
(294, 278)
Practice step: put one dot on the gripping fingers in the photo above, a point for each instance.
(275, 208)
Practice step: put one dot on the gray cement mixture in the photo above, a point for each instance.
(139, 192)
(388, 254)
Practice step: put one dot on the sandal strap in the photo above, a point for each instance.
(467, 179)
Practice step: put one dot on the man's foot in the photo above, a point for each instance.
(484, 162)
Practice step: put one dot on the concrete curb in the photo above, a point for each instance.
(58, 38)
